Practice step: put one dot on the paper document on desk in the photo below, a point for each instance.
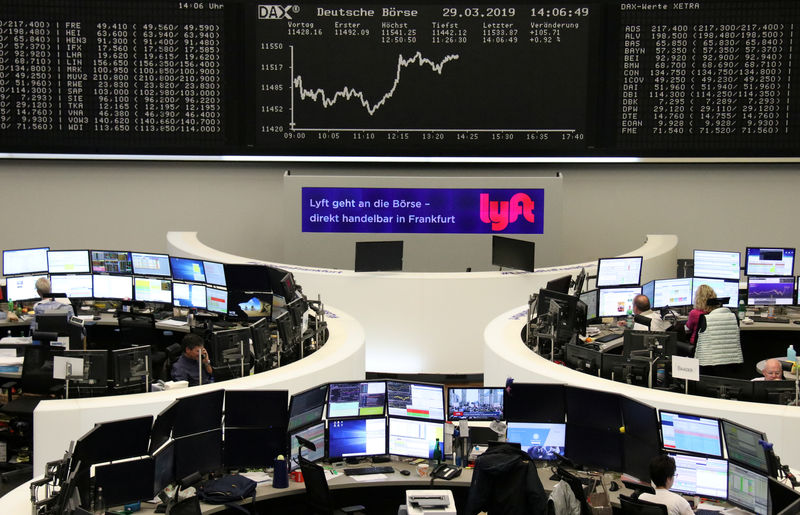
(11, 361)
(86, 317)
(257, 476)
(370, 477)
(173, 323)
(25, 340)
(330, 475)
(8, 353)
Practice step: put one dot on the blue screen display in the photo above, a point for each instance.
(356, 437)
(187, 270)
(423, 210)
(691, 433)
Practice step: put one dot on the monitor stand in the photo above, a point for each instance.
(352, 461)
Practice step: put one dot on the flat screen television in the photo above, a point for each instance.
(774, 261)
(717, 264)
(474, 403)
(513, 253)
(379, 256)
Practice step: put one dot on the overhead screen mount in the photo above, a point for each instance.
(414, 81)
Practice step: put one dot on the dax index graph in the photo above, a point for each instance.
(423, 79)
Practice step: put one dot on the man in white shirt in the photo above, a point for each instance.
(48, 303)
(773, 371)
(662, 474)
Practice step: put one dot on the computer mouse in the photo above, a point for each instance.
(405, 472)
(796, 322)
(614, 486)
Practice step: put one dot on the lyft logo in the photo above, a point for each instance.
(503, 212)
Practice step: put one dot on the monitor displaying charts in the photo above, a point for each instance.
(152, 290)
(150, 264)
(748, 489)
(187, 295)
(415, 438)
(615, 302)
(722, 287)
(25, 261)
(743, 446)
(621, 271)
(73, 286)
(672, 292)
(68, 261)
(22, 288)
(540, 441)
(417, 400)
(716, 264)
(216, 300)
(111, 262)
(314, 434)
(769, 261)
(113, 287)
(700, 475)
(361, 399)
(691, 433)
(770, 291)
(590, 299)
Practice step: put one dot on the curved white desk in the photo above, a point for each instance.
(428, 322)
(505, 355)
(57, 422)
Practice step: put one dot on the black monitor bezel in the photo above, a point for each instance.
(271, 408)
(508, 426)
(528, 265)
(484, 419)
(38, 272)
(130, 259)
(151, 274)
(607, 288)
(688, 451)
(328, 415)
(655, 282)
(223, 273)
(705, 379)
(184, 280)
(315, 389)
(422, 383)
(747, 261)
(225, 311)
(412, 419)
(52, 276)
(669, 452)
(139, 473)
(187, 408)
(348, 420)
(37, 277)
(600, 262)
(739, 273)
(753, 471)
(190, 285)
(630, 335)
(88, 262)
(549, 391)
(762, 436)
(159, 278)
(188, 444)
(293, 464)
(391, 248)
(731, 303)
(794, 293)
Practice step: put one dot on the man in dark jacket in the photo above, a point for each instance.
(505, 482)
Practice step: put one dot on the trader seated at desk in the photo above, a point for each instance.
(773, 371)
(186, 367)
(641, 309)
(48, 303)
(662, 473)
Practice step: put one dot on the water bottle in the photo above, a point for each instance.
(791, 355)
(629, 320)
(437, 453)
(742, 310)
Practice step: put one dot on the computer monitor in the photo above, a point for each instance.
(247, 277)
(774, 392)
(114, 440)
(164, 468)
(185, 269)
(93, 375)
(217, 300)
(188, 295)
(150, 264)
(68, 261)
(357, 399)
(414, 438)
(127, 481)
(131, 369)
(700, 475)
(582, 358)
(748, 489)
(649, 290)
(535, 402)
(672, 293)
(474, 403)
(571, 313)
(307, 407)
(624, 369)
(663, 343)
(117, 287)
(253, 447)
(22, 287)
(272, 408)
(593, 408)
(513, 253)
(763, 261)
(540, 440)
(162, 426)
(590, 299)
(743, 446)
(417, 400)
(717, 264)
(254, 304)
(229, 351)
(781, 497)
(314, 434)
(201, 452)
(355, 437)
(619, 271)
(722, 288)
(379, 256)
(560, 285)
(282, 283)
(593, 447)
(691, 433)
(215, 273)
(297, 310)
(262, 345)
(642, 438)
(724, 388)
(198, 413)
(111, 262)
(770, 291)
(148, 289)
(25, 261)
(616, 302)
(288, 336)
(73, 286)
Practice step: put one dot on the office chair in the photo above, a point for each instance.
(174, 352)
(318, 496)
(632, 506)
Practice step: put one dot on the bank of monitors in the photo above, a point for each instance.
(150, 264)
(541, 441)
(414, 438)
(356, 437)
(474, 403)
(111, 262)
(68, 261)
(748, 489)
(151, 289)
(766, 261)
(722, 287)
(217, 300)
(215, 273)
(620, 271)
(115, 287)
(357, 399)
(185, 269)
(22, 288)
(73, 286)
(314, 434)
(624, 369)
(513, 253)
(416, 400)
(616, 302)
(743, 446)
(379, 256)
(662, 343)
(717, 264)
(770, 291)
(25, 261)
(189, 295)
(671, 292)
(534, 402)
(691, 433)
(590, 299)
(307, 407)
(700, 475)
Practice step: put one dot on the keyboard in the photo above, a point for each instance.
(368, 470)
(607, 338)
(770, 320)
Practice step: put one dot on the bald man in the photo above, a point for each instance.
(773, 371)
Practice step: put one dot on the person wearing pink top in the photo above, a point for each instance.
(704, 292)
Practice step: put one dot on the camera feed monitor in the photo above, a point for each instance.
(616, 302)
(356, 437)
(770, 291)
(187, 295)
(216, 300)
(150, 264)
(215, 273)
(474, 403)
(716, 264)
(254, 304)
(68, 261)
(691, 433)
(672, 292)
(362, 399)
(112, 287)
(700, 475)
(621, 271)
(25, 261)
(22, 288)
(748, 489)
(314, 434)
(73, 286)
(184, 269)
(769, 261)
(417, 400)
(152, 290)
(540, 441)
(722, 287)
(414, 438)
(111, 262)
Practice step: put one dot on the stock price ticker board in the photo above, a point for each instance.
(241, 77)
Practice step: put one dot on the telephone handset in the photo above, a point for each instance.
(445, 471)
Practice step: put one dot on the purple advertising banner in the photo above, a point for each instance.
(423, 210)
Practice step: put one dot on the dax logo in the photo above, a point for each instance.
(503, 212)
(276, 12)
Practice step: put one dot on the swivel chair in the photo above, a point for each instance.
(632, 506)
(318, 496)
